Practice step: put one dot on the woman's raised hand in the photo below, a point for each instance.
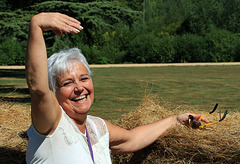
(56, 22)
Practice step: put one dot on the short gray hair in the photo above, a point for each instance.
(61, 62)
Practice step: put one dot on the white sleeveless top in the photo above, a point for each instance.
(68, 145)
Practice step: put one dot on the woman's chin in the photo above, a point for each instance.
(81, 108)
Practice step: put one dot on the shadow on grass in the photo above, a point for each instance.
(17, 73)
(13, 156)
(16, 99)
(12, 88)
(10, 91)
(22, 94)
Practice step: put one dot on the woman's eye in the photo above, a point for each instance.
(67, 83)
(84, 78)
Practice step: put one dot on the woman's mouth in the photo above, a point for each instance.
(80, 98)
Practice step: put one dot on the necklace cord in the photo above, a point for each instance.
(89, 144)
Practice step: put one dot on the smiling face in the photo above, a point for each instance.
(75, 92)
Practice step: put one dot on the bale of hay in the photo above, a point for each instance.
(219, 143)
(14, 122)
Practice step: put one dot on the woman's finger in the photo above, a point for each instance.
(70, 28)
(204, 120)
(71, 24)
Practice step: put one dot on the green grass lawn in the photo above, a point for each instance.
(119, 90)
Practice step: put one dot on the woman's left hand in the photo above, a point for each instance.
(183, 118)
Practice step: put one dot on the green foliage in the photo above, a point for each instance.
(229, 17)
(4, 6)
(198, 20)
(14, 24)
(108, 52)
(148, 48)
(165, 49)
(205, 15)
(133, 4)
(164, 16)
(130, 31)
(14, 47)
(141, 48)
(97, 18)
(191, 48)
(222, 45)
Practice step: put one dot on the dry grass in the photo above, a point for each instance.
(220, 143)
(14, 122)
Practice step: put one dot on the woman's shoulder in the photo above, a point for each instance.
(97, 125)
(95, 121)
(90, 117)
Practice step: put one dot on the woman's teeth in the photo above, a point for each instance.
(80, 99)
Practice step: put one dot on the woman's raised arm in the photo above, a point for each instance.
(45, 109)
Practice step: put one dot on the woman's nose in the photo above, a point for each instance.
(78, 87)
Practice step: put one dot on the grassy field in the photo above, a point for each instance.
(119, 90)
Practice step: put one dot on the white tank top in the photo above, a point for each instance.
(68, 145)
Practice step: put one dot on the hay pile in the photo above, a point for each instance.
(220, 143)
(14, 122)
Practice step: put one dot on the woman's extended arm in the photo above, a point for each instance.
(45, 109)
(126, 141)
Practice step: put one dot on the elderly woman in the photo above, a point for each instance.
(62, 93)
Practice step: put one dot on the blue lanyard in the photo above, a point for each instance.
(89, 144)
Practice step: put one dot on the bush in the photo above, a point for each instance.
(148, 48)
(191, 48)
(222, 46)
(12, 52)
(237, 54)
(165, 49)
(140, 48)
